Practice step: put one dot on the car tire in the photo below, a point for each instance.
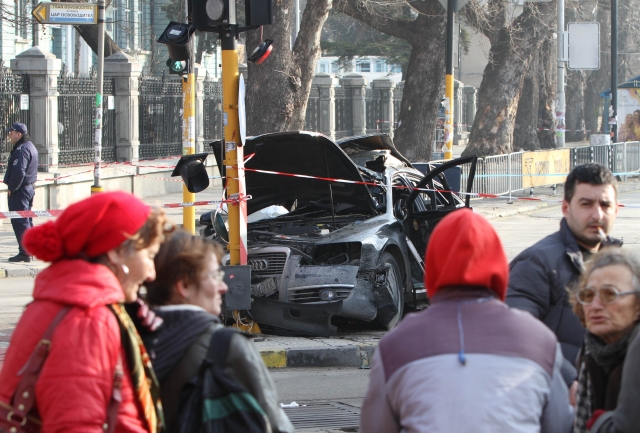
(395, 289)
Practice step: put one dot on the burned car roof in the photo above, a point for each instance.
(308, 154)
(373, 151)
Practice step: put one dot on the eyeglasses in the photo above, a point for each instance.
(607, 295)
(218, 276)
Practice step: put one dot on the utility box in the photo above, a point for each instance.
(238, 280)
(599, 139)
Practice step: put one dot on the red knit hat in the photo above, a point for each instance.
(465, 250)
(90, 227)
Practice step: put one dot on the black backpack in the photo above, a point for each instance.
(213, 402)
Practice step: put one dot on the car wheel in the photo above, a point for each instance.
(391, 315)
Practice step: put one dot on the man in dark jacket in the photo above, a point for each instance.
(20, 178)
(539, 275)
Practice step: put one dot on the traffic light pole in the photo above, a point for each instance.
(234, 155)
(189, 133)
(97, 137)
(448, 92)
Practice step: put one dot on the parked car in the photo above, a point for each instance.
(354, 249)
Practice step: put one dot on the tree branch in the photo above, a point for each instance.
(357, 9)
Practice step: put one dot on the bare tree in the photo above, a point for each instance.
(422, 25)
(279, 88)
(514, 43)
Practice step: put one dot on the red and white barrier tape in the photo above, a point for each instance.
(57, 212)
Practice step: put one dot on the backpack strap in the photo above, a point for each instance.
(219, 347)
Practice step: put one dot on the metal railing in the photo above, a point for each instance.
(312, 118)
(76, 119)
(11, 87)
(374, 114)
(343, 113)
(160, 117)
(504, 174)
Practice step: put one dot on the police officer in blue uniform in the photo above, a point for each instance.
(20, 178)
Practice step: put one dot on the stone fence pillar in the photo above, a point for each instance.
(386, 87)
(200, 74)
(126, 71)
(43, 69)
(356, 88)
(327, 107)
(470, 106)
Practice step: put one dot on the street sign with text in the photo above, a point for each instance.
(66, 13)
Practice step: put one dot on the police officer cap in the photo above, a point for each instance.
(18, 127)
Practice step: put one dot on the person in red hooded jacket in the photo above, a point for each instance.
(101, 250)
(468, 363)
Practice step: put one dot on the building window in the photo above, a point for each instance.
(396, 69)
(363, 66)
(334, 67)
(381, 66)
(22, 19)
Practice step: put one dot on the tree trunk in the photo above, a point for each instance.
(575, 106)
(423, 86)
(547, 94)
(525, 134)
(423, 90)
(279, 88)
(510, 54)
(599, 80)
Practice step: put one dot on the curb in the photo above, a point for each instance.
(341, 356)
(15, 273)
(521, 210)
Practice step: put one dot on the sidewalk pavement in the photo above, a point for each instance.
(353, 349)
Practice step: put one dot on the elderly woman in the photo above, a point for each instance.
(607, 301)
(97, 376)
(187, 296)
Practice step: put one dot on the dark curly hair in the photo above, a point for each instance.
(593, 174)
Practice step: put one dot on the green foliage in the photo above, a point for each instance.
(347, 38)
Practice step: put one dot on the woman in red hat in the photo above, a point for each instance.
(97, 376)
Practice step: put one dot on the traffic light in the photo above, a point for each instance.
(178, 67)
(193, 172)
(176, 37)
(207, 15)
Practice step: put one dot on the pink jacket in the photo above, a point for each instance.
(75, 386)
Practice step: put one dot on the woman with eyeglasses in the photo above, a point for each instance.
(187, 296)
(607, 301)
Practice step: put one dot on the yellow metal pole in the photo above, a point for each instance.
(448, 115)
(189, 145)
(233, 154)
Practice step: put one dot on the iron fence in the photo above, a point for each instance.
(397, 103)
(344, 113)
(76, 119)
(312, 118)
(11, 87)
(212, 110)
(374, 115)
(160, 117)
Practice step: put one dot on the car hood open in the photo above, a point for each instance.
(374, 142)
(303, 153)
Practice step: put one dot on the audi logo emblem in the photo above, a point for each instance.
(258, 265)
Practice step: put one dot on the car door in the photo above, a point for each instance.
(433, 199)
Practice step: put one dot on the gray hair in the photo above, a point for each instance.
(606, 257)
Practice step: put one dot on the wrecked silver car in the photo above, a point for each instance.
(323, 251)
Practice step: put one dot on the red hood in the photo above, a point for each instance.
(79, 283)
(465, 250)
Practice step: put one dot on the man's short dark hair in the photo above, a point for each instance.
(593, 174)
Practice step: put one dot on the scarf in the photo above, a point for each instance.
(144, 380)
(606, 356)
(182, 325)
